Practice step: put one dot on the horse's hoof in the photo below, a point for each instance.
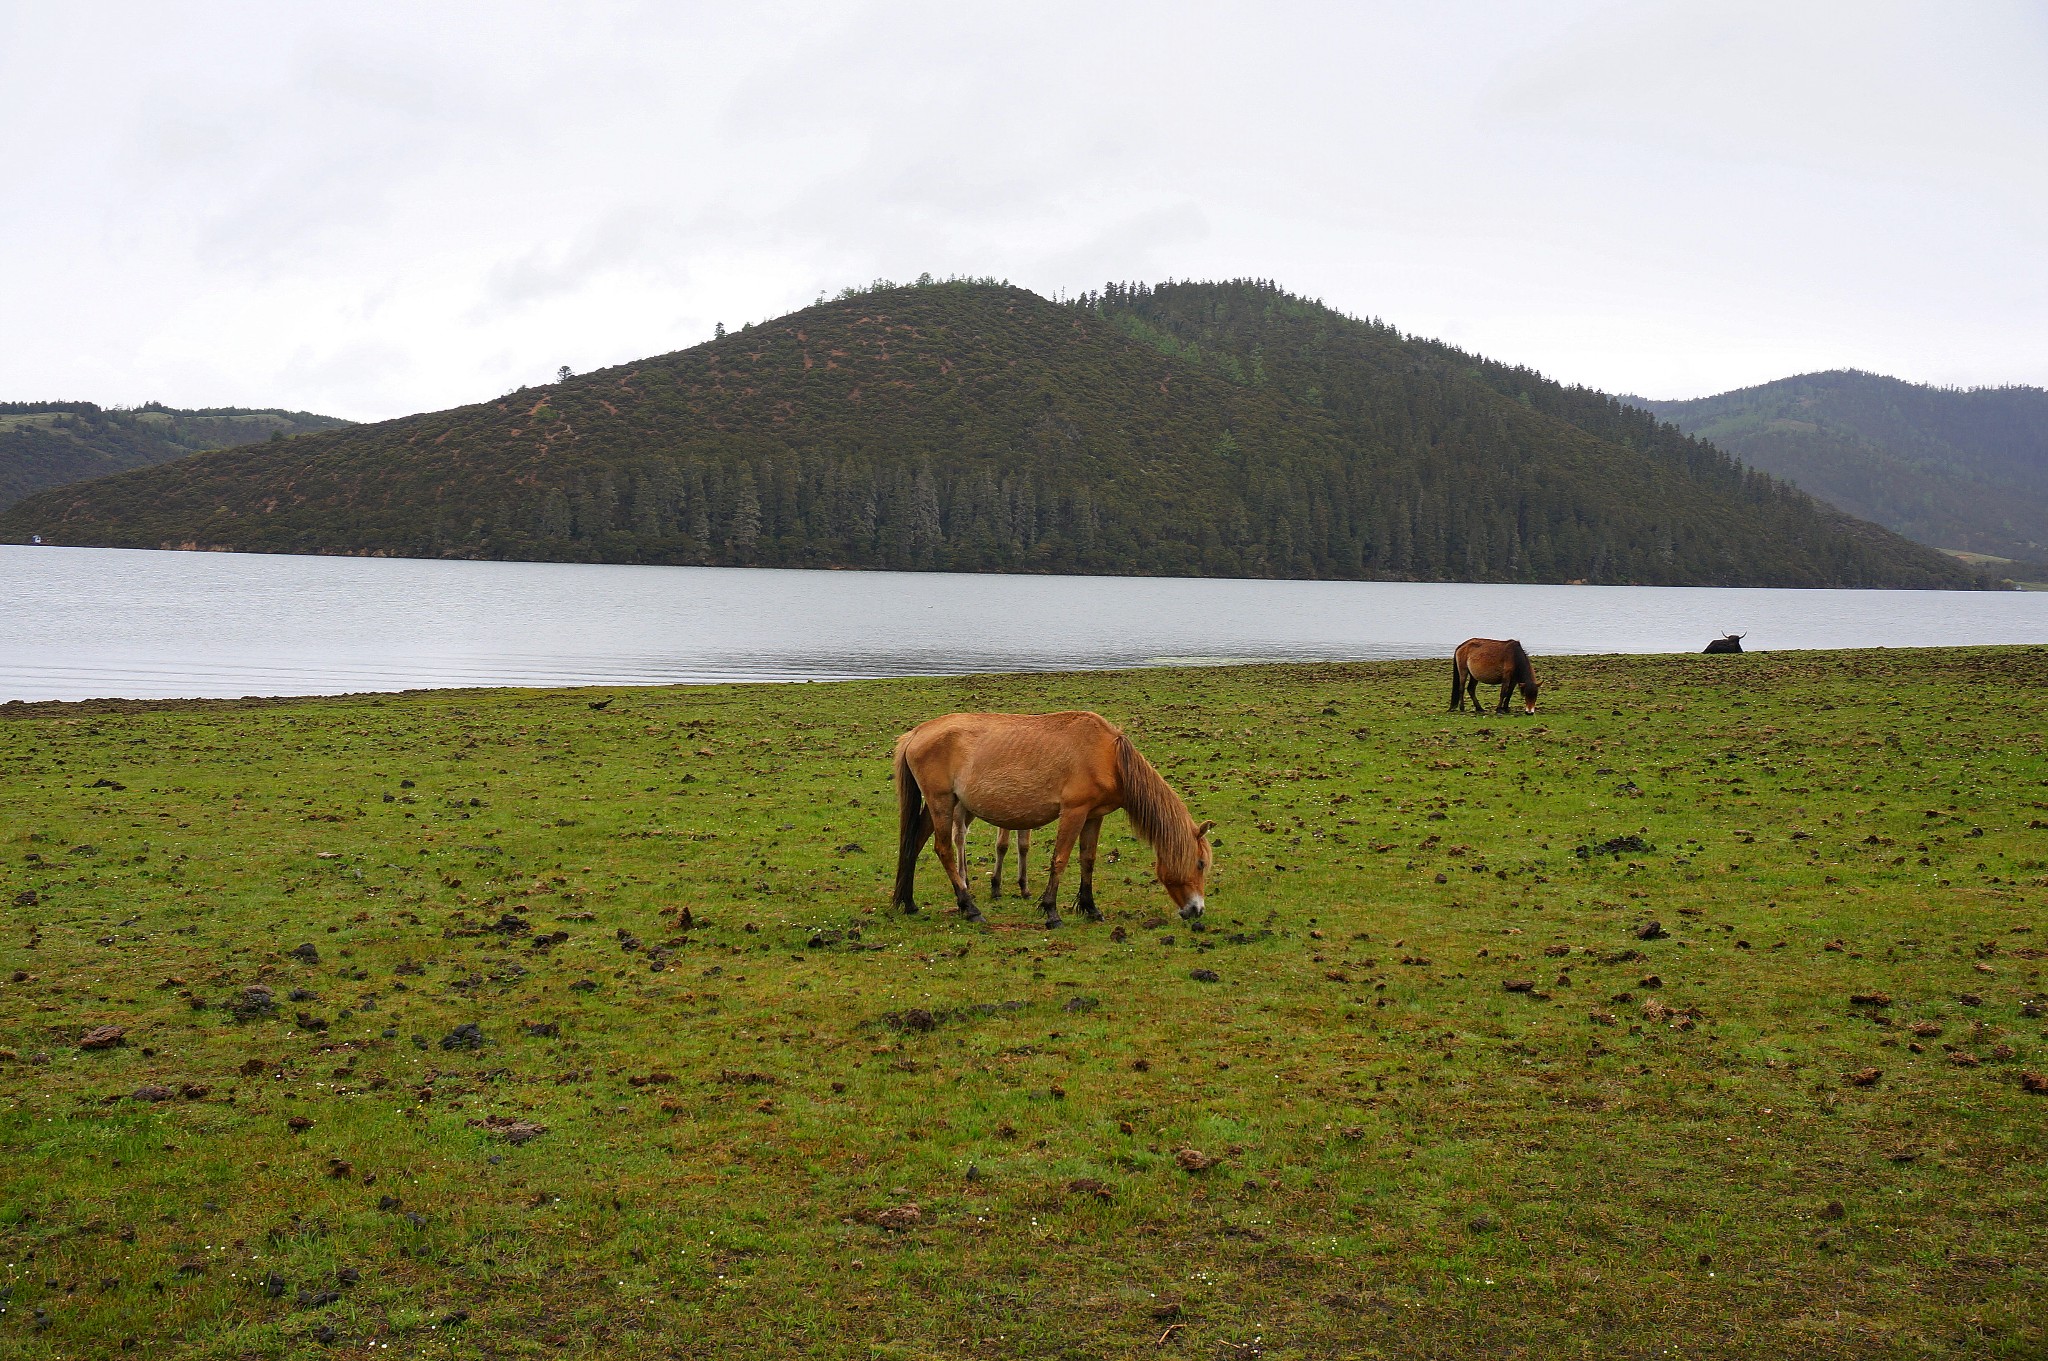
(910, 909)
(1093, 914)
(1053, 922)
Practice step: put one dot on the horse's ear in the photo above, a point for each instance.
(1203, 829)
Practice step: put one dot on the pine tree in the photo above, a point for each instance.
(745, 528)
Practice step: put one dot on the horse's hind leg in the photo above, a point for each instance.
(1091, 832)
(949, 823)
(1070, 828)
(995, 881)
(924, 832)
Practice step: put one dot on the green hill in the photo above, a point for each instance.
(1193, 429)
(51, 444)
(1948, 467)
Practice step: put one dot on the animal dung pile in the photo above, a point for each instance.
(1657, 1011)
(509, 1128)
(102, 1037)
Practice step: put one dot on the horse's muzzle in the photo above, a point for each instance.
(1193, 909)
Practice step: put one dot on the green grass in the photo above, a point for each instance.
(1413, 1160)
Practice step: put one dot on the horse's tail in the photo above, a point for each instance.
(1457, 680)
(909, 822)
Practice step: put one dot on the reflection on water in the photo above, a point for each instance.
(83, 622)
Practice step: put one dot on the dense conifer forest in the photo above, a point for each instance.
(50, 444)
(1955, 468)
(1189, 429)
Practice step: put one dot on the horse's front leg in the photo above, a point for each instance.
(1091, 832)
(949, 822)
(1507, 688)
(1071, 820)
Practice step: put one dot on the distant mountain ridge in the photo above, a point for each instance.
(1953, 468)
(1224, 429)
(50, 444)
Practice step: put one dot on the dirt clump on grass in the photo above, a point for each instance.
(510, 1128)
(103, 1037)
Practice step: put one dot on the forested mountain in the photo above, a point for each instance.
(50, 444)
(1213, 429)
(1964, 469)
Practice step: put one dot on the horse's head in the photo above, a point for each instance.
(1186, 884)
(1529, 697)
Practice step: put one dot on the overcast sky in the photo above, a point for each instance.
(369, 209)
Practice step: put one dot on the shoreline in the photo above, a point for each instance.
(115, 704)
(1987, 585)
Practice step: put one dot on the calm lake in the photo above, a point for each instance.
(78, 623)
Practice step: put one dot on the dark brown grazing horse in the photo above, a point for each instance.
(1491, 661)
(1727, 643)
(1018, 771)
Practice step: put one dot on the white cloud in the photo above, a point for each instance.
(378, 207)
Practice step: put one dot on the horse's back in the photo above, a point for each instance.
(1489, 657)
(1016, 770)
(966, 731)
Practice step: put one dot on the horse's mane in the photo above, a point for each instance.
(1524, 673)
(1156, 811)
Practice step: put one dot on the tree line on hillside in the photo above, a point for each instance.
(1214, 429)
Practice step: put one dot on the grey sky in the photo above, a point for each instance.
(370, 209)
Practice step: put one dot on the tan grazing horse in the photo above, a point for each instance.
(1491, 661)
(1018, 771)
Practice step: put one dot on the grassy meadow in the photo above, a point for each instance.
(502, 1024)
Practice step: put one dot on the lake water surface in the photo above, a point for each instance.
(78, 623)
